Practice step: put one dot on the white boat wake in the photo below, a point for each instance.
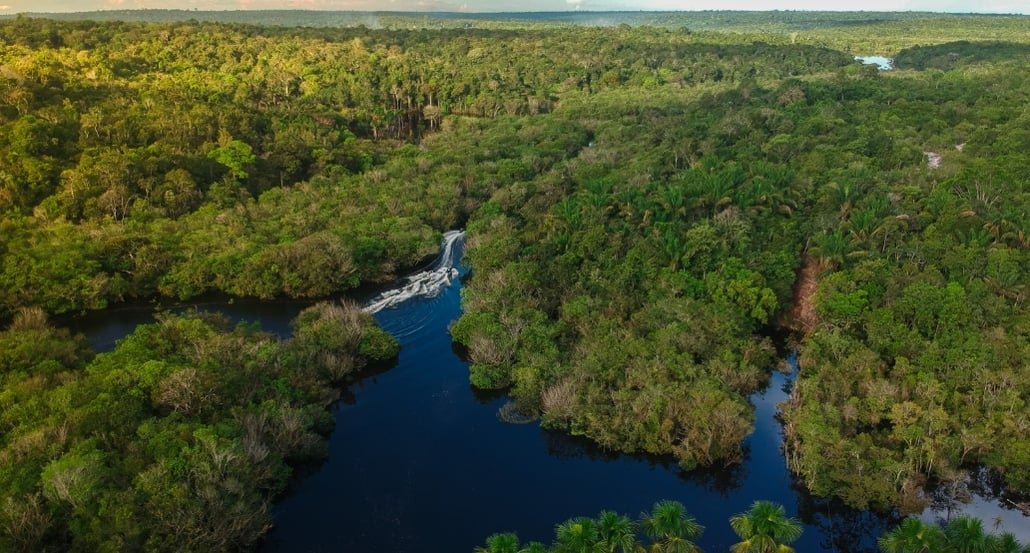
(426, 284)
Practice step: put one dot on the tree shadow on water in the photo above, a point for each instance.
(723, 480)
(845, 529)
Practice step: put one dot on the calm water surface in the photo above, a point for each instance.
(419, 461)
(881, 62)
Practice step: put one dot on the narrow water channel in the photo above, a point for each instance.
(419, 461)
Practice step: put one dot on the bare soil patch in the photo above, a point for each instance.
(802, 316)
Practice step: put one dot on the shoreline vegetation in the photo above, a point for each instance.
(764, 528)
(179, 439)
(639, 202)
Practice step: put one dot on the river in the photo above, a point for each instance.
(420, 462)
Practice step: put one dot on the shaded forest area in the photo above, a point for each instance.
(638, 204)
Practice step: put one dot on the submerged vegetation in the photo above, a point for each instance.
(639, 202)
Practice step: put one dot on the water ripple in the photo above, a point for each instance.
(412, 303)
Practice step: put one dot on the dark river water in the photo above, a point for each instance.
(420, 462)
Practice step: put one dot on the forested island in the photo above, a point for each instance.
(649, 205)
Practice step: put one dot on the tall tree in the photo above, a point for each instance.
(765, 528)
(966, 535)
(671, 528)
(616, 533)
(577, 535)
(500, 543)
(912, 536)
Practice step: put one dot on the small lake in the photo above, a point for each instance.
(882, 63)
(420, 462)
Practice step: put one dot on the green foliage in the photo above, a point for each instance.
(149, 169)
(912, 536)
(668, 527)
(616, 533)
(653, 262)
(946, 57)
(235, 155)
(175, 441)
(961, 534)
(379, 345)
(638, 202)
(743, 289)
(765, 528)
(500, 543)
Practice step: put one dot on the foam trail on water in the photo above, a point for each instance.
(426, 284)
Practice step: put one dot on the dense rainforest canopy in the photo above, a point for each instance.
(639, 203)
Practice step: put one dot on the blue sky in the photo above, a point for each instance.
(978, 6)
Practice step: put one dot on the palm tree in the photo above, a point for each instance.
(673, 201)
(615, 533)
(500, 543)
(831, 248)
(1006, 543)
(765, 529)
(671, 528)
(840, 196)
(912, 536)
(577, 535)
(966, 535)
(534, 547)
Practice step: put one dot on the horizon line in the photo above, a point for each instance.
(451, 12)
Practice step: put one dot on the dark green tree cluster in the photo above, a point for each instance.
(959, 535)
(764, 528)
(945, 57)
(918, 366)
(177, 440)
(624, 295)
(639, 202)
(668, 528)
